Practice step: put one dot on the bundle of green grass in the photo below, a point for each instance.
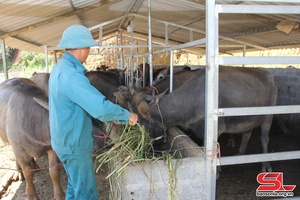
(132, 145)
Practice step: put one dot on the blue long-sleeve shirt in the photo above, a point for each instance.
(72, 103)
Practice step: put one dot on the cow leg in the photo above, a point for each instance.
(20, 170)
(54, 175)
(30, 191)
(264, 138)
(27, 167)
(245, 139)
(32, 163)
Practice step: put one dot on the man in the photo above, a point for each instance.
(72, 104)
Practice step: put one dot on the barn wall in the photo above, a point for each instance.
(287, 81)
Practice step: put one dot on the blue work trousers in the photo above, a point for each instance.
(81, 176)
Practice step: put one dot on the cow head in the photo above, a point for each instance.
(150, 115)
(143, 102)
(161, 75)
(123, 97)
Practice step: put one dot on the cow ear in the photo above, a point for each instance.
(143, 109)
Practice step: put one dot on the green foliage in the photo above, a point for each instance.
(9, 51)
(29, 61)
(133, 145)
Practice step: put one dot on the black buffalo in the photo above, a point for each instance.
(106, 82)
(25, 125)
(185, 106)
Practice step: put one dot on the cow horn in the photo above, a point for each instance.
(122, 71)
(42, 103)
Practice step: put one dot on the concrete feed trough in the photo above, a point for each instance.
(179, 179)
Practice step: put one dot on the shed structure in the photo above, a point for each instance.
(31, 24)
(214, 28)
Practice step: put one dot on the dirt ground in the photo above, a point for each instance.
(239, 181)
(235, 182)
(11, 188)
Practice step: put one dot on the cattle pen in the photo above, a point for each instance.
(213, 112)
(210, 161)
(197, 165)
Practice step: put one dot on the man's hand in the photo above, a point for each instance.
(133, 118)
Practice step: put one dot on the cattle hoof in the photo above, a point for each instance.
(31, 197)
(266, 167)
(59, 197)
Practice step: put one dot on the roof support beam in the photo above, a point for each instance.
(203, 32)
(200, 18)
(258, 9)
(105, 23)
(48, 21)
(28, 41)
(157, 40)
(77, 15)
(132, 9)
(24, 40)
(252, 32)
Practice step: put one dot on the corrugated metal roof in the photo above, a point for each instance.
(31, 24)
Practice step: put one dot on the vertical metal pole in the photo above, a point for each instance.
(171, 70)
(212, 95)
(4, 59)
(46, 58)
(244, 52)
(144, 60)
(55, 56)
(191, 36)
(166, 34)
(127, 74)
(131, 49)
(187, 58)
(117, 51)
(122, 50)
(136, 66)
(100, 36)
(150, 42)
